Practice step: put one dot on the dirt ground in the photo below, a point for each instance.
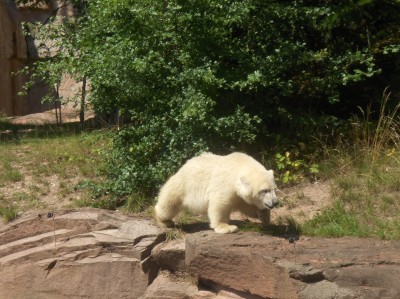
(301, 202)
(69, 114)
(304, 201)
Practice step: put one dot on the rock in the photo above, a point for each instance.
(303, 273)
(228, 295)
(325, 290)
(12, 51)
(371, 280)
(167, 286)
(108, 276)
(90, 253)
(221, 295)
(86, 253)
(170, 255)
(237, 264)
(204, 295)
(250, 264)
(367, 267)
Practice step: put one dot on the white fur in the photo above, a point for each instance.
(216, 185)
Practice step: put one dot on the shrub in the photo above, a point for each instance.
(191, 76)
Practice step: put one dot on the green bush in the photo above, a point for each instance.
(191, 76)
(144, 156)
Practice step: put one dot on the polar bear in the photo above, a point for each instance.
(216, 185)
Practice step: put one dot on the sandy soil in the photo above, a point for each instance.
(68, 114)
(301, 202)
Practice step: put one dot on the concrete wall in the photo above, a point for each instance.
(16, 52)
(12, 55)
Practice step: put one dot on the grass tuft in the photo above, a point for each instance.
(366, 171)
(8, 213)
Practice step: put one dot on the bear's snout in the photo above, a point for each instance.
(272, 205)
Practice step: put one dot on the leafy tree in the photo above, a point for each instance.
(190, 76)
(58, 53)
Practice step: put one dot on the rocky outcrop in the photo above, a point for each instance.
(77, 254)
(242, 267)
(271, 267)
(92, 253)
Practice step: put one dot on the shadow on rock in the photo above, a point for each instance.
(194, 227)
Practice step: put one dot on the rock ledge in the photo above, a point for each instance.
(90, 253)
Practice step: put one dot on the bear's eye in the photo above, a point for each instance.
(265, 191)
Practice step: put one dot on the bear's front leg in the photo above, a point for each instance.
(265, 217)
(224, 228)
(218, 213)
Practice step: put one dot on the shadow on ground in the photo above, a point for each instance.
(283, 231)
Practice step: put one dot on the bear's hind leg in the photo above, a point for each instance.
(164, 214)
(168, 206)
(219, 218)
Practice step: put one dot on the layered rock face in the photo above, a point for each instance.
(90, 253)
(81, 254)
(16, 51)
(260, 266)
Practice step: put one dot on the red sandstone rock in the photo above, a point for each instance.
(105, 254)
(170, 255)
(223, 263)
(96, 254)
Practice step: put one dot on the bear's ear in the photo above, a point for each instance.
(243, 188)
(271, 172)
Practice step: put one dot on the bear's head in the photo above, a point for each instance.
(258, 188)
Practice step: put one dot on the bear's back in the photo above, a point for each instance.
(208, 165)
(243, 162)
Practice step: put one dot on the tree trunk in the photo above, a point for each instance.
(83, 100)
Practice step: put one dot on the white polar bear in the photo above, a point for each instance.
(216, 185)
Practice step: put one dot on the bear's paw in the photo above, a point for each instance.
(225, 229)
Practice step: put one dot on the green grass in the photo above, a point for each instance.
(136, 203)
(8, 172)
(8, 213)
(37, 162)
(366, 172)
(366, 199)
(335, 222)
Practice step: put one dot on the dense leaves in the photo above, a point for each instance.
(190, 76)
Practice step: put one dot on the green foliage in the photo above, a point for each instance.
(149, 153)
(193, 76)
(57, 49)
(287, 168)
(289, 171)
